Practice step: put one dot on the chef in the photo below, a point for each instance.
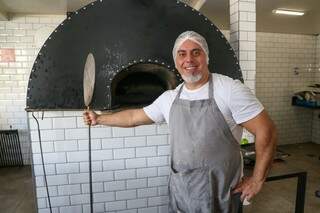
(206, 115)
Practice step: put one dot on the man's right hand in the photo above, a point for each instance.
(90, 118)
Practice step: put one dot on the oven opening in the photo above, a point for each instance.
(140, 84)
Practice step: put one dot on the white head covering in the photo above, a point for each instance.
(193, 36)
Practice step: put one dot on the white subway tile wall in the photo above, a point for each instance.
(21, 34)
(276, 82)
(126, 177)
(243, 37)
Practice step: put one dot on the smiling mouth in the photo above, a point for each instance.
(192, 70)
(190, 67)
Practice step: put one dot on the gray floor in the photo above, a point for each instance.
(16, 190)
(16, 194)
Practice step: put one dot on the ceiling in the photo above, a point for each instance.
(216, 10)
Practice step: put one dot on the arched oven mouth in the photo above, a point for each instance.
(140, 84)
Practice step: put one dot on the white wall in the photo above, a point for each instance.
(130, 165)
(25, 34)
(277, 55)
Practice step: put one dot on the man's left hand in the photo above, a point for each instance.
(249, 187)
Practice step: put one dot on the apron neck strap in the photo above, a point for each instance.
(179, 92)
(210, 88)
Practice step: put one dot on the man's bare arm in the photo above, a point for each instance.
(125, 118)
(266, 139)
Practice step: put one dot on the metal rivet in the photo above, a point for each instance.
(156, 61)
(77, 12)
(92, 3)
(206, 19)
(185, 5)
(141, 60)
(55, 31)
(134, 61)
(149, 60)
(211, 24)
(84, 8)
(69, 18)
(61, 23)
(49, 37)
(162, 63)
(178, 2)
(200, 14)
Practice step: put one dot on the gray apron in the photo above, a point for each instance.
(205, 158)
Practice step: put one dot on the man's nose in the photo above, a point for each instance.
(189, 58)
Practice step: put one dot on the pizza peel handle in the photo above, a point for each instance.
(88, 88)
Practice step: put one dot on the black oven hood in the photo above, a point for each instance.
(131, 41)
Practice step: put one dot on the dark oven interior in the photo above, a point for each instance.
(140, 84)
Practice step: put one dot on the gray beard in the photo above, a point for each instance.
(191, 78)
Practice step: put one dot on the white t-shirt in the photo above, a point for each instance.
(235, 101)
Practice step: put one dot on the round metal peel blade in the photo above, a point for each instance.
(89, 79)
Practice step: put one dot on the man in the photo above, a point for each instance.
(205, 115)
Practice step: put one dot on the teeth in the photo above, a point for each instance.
(189, 68)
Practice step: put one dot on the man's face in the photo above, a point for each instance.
(191, 61)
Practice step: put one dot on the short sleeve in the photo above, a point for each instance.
(153, 111)
(243, 103)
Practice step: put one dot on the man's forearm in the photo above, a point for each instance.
(125, 118)
(119, 119)
(265, 147)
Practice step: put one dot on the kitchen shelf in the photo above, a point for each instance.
(305, 104)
